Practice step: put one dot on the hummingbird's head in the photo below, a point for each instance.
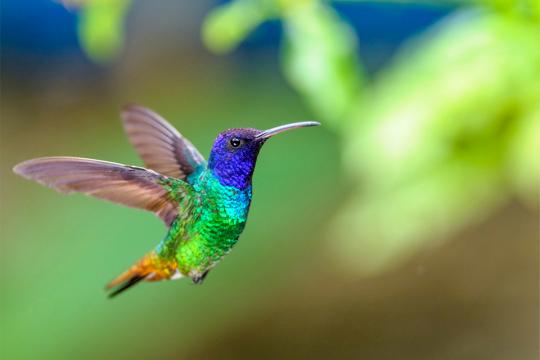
(235, 152)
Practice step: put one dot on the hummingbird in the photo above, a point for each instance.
(204, 205)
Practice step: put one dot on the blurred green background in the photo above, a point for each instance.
(405, 227)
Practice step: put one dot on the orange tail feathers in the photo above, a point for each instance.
(149, 268)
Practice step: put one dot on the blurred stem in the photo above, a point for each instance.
(319, 53)
(320, 59)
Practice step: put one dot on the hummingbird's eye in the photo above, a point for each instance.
(235, 142)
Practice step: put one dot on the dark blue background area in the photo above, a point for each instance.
(45, 29)
(37, 26)
(380, 27)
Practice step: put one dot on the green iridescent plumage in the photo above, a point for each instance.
(208, 227)
(204, 205)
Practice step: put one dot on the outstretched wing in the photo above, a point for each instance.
(159, 144)
(127, 185)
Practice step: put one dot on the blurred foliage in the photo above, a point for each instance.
(101, 28)
(319, 59)
(227, 26)
(438, 139)
(319, 51)
(445, 136)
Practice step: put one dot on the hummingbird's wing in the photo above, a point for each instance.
(159, 144)
(128, 185)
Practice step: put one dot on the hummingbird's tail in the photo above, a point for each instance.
(125, 285)
(150, 268)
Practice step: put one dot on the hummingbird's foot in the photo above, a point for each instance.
(199, 278)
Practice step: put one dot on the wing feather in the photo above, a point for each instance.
(159, 144)
(127, 185)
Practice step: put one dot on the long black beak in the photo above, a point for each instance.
(279, 129)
